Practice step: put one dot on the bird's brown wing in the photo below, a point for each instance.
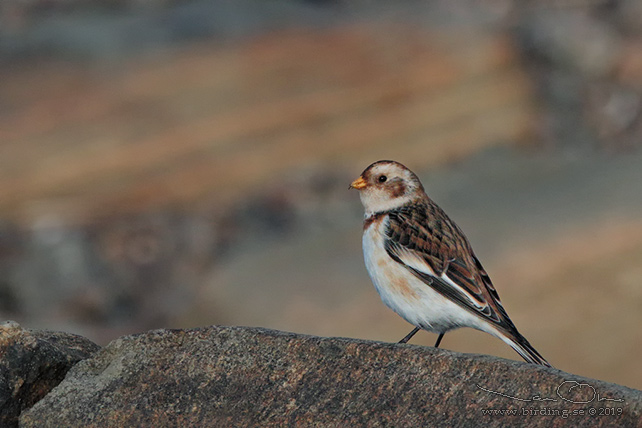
(423, 239)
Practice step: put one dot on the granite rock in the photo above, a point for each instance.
(241, 376)
(32, 363)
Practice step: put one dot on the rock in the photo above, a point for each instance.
(240, 376)
(32, 363)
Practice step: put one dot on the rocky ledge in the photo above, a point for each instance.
(32, 363)
(240, 376)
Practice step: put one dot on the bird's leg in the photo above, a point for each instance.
(409, 335)
(441, 336)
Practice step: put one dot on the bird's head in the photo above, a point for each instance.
(386, 185)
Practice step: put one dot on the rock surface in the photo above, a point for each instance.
(32, 363)
(239, 376)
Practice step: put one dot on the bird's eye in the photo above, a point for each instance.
(382, 178)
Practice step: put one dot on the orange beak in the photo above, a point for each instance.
(358, 184)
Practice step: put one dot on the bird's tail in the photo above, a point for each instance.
(523, 348)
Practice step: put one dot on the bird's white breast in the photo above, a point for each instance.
(404, 293)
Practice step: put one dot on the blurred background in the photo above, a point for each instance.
(181, 163)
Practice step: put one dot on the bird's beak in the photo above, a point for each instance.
(358, 184)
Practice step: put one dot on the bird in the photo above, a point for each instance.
(423, 266)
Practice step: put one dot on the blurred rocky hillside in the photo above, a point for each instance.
(184, 163)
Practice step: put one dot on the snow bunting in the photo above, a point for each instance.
(422, 265)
